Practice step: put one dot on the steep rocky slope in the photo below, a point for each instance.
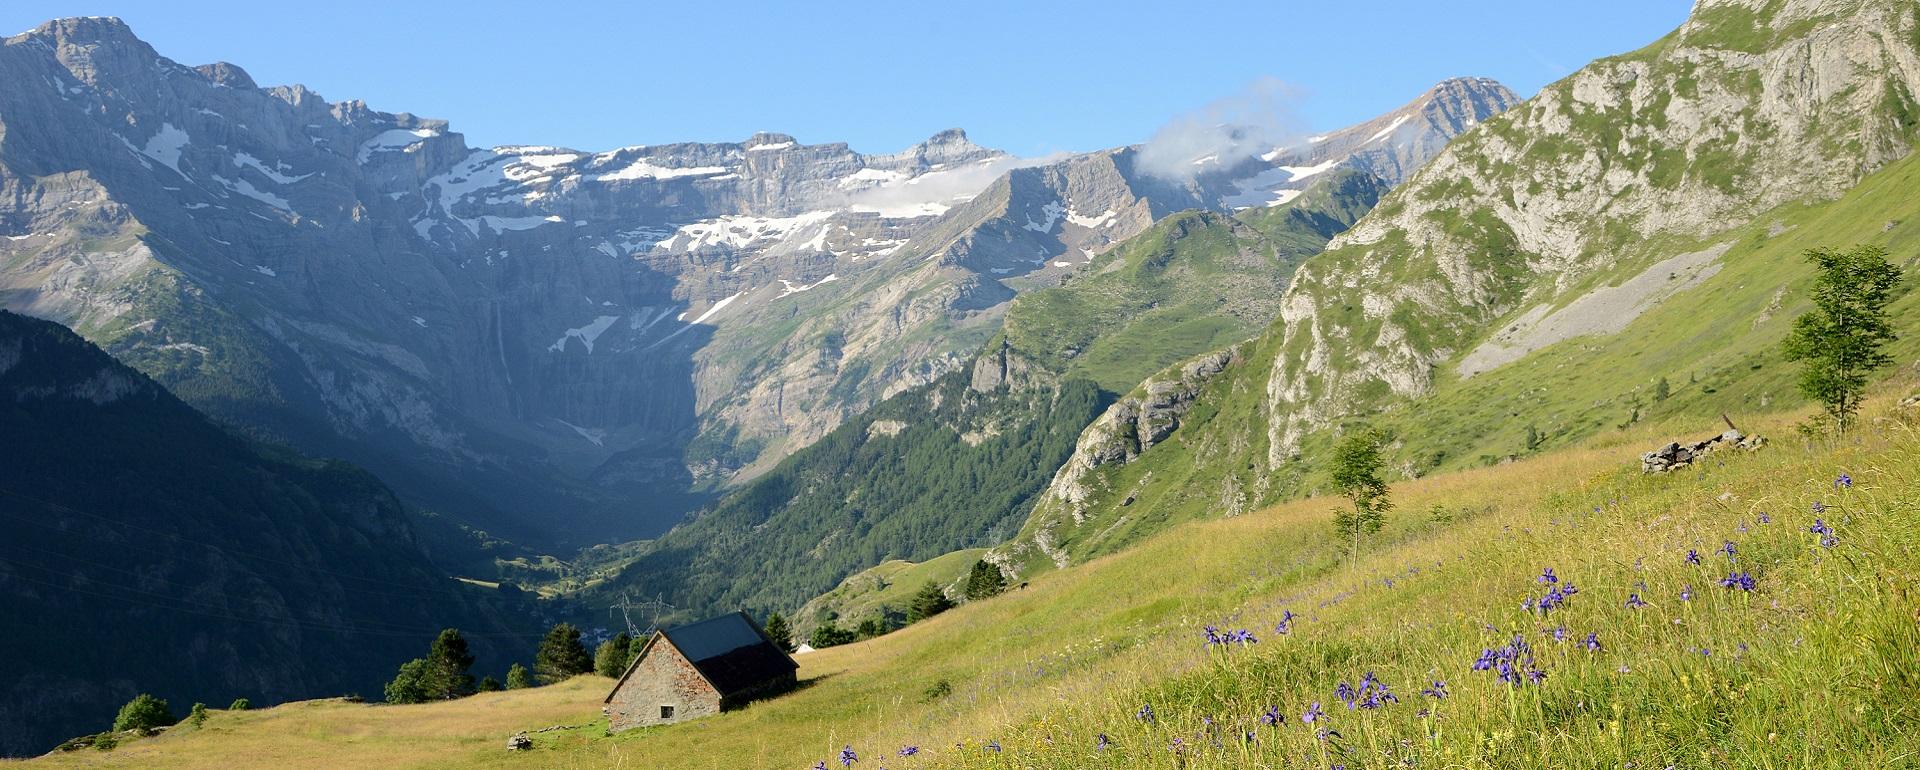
(147, 550)
(1548, 245)
(560, 346)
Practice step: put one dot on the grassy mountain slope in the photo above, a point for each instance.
(148, 550)
(929, 471)
(1536, 281)
(1811, 669)
(1194, 281)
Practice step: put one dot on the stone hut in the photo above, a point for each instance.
(698, 670)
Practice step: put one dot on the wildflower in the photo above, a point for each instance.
(1101, 743)
(1559, 634)
(1693, 556)
(908, 751)
(1569, 589)
(1635, 602)
(1242, 637)
(1512, 663)
(1423, 713)
(1742, 529)
(1176, 745)
(1145, 714)
(1286, 622)
(1844, 482)
(1819, 507)
(1247, 737)
(1827, 538)
(1346, 694)
(1375, 693)
(1547, 576)
(1313, 712)
(847, 757)
(1765, 519)
(1593, 641)
(1728, 549)
(820, 765)
(993, 746)
(1272, 716)
(1213, 635)
(1704, 652)
(1437, 691)
(1686, 592)
(1741, 580)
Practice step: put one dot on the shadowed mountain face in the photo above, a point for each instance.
(563, 347)
(148, 550)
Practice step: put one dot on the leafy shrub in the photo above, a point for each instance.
(143, 714)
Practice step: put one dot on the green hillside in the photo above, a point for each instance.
(1536, 282)
(926, 472)
(1195, 281)
(149, 550)
(1812, 668)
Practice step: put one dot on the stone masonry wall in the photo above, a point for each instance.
(663, 678)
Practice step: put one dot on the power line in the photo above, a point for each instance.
(195, 608)
(210, 546)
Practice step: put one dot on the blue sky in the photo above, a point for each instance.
(1029, 77)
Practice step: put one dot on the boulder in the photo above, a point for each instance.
(519, 743)
(1675, 455)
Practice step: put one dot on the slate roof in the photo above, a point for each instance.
(730, 651)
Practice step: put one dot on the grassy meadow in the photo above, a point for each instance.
(1815, 666)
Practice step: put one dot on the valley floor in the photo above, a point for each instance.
(1813, 663)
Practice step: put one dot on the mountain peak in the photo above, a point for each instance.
(227, 74)
(87, 29)
(769, 139)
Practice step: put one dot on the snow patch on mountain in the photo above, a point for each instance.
(394, 139)
(585, 334)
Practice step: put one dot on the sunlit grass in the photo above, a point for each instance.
(1828, 676)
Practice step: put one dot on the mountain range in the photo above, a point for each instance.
(560, 347)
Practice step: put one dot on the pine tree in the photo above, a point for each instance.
(1841, 340)
(1357, 464)
(1661, 390)
(489, 684)
(778, 631)
(518, 678)
(610, 658)
(930, 601)
(984, 581)
(198, 714)
(240, 704)
(448, 660)
(561, 655)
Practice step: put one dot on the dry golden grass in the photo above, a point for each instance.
(1074, 636)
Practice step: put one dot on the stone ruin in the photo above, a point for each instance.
(1675, 456)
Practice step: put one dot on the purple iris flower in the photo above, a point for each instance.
(1844, 482)
(1436, 691)
(1272, 716)
(1286, 622)
(1547, 576)
(1693, 556)
(1686, 592)
(1739, 580)
(1313, 712)
(847, 757)
(1101, 743)
(1635, 602)
(1593, 641)
(1145, 714)
(908, 751)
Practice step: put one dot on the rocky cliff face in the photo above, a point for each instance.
(516, 331)
(1748, 105)
(1568, 216)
